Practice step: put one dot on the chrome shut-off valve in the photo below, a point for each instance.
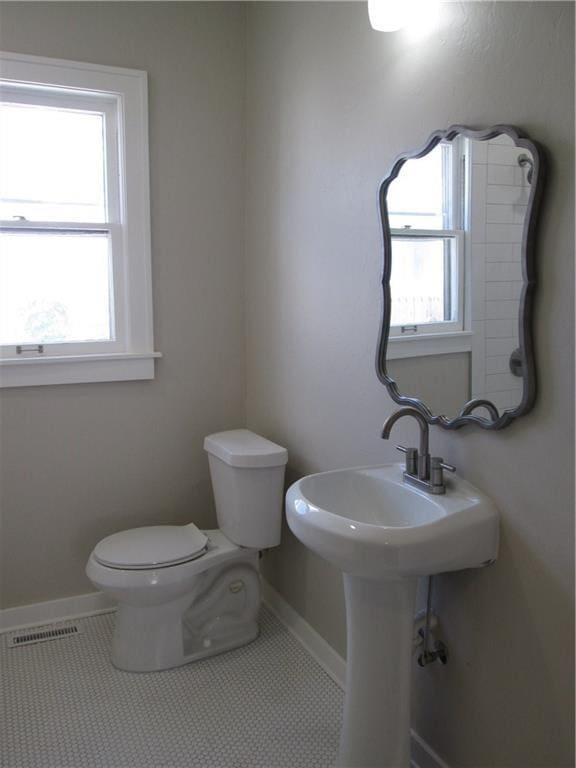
(439, 651)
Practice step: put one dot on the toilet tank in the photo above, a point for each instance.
(247, 473)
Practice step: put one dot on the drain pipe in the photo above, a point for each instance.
(439, 652)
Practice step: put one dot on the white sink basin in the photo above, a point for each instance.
(383, 534)
(369, 523)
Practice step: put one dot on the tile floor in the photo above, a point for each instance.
(266, 705)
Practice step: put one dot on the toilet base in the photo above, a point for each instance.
(218, 614)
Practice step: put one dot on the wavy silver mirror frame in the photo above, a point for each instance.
(525, 335)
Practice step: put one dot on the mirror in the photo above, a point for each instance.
(458, 221)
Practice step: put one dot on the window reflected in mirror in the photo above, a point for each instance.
(425, 208)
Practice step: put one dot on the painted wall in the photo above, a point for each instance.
(329, 105)
(446, 386)
(80, 462)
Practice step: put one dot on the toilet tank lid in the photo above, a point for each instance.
(242, 448)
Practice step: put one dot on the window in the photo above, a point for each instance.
(75, 302)
(426, 212)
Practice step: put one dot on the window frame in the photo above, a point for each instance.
(450, 336)
(123, 92)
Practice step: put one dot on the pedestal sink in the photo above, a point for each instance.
(383, 534)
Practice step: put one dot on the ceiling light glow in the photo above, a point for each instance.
(388, 15)
(393, 15)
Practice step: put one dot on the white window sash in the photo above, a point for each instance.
(446, 327)
(116, 343)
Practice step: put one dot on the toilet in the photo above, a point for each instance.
(185, 594)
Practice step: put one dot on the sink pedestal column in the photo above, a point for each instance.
(380, 627)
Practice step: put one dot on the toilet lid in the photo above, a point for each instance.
(155, 546)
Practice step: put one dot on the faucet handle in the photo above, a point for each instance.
(411, 459)
(438, 461)
(437, 465)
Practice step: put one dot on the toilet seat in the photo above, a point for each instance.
(157, 546)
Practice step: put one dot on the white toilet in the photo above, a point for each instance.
(182, 593)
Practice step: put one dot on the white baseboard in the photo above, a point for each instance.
(423, 756)
(54, 610)
(330, 661)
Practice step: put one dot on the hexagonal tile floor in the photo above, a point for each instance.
(266, 705)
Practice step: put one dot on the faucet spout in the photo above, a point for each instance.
(421, 470)
(423, 452)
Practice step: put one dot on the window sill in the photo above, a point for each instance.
(429, 344)
(76, 369)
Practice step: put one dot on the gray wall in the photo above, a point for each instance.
(330, 104)
(80, 462)
(441, 381)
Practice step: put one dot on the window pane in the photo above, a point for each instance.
(423, 273)
(53, 163)
(418, 196)
(54, 288)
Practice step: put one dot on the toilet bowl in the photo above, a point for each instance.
(182, 593)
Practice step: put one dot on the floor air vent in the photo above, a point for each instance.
(42, 635)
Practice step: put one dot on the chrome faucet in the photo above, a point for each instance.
(422, 470)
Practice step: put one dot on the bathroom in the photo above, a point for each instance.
(271, 126)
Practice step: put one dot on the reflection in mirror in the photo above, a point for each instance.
(458, 221)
